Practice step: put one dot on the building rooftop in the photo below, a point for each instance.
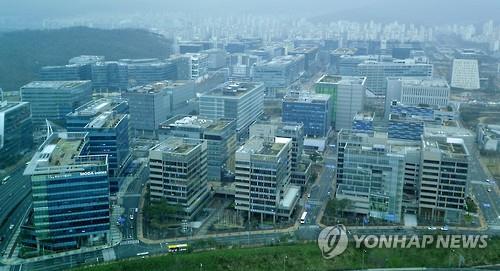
(86, 59)
(365, 116)
(414, 82)
(449, 146)
(260, 146)
(177, 145)
(233, 89)
(345, 51)
(95, 107)
(152, 88)
(60, 85)
(106, 120)
(303, 50)
(196, 122)
(60, 153)
(491, 130)
(306, 97)
(282, 60)
(7, 105)
(341, 80)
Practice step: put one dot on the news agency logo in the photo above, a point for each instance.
(333, 241)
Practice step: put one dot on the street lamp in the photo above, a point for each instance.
(363, 264)
(284, 261)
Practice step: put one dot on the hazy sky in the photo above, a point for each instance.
(420, 11)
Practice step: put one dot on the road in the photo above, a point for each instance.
(14, 201)
(486, 194)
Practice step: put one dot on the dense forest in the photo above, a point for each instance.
(22, 53)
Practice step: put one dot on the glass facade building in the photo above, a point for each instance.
(70, 192)
(312, 110)
(16, 130)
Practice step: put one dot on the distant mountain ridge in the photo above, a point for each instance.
(22, 53)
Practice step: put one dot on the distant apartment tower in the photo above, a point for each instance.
(376, 72)
(178, 174)
(370, 174)
(310, 109)
(53, 100)
(220, 136)
(279, 74)
(348, 97)
(241, 101)
(70, 192)
(444, 179)
(465, 74)
(263, 175)
(16, 131)
(411, 91)
(198, 64)
(149, 105)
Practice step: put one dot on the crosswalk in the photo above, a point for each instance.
(130, 242)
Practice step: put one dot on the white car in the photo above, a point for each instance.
(432, 228)
(444, 228)
(11, 226)
(131, 217)
(489, 190)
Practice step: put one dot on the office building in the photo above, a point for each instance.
(376, 72)
(312, 110)
(310, 57)
(178, 174)
(488, 137)
(216, 58)
(219, 134)
(108, 135)
(83, 115)
(465, 74)
(444, 180)
(149, 105)
(412, 91)
(348, 97)
(241, 66)
(109, 75)
(279, 73)
(70, 72)
(263, 174)
(363, 122)
(268, 130)
(370, 173)
(146, 71)
(53, 100)
(70, 192)
(243, 102)
(16, 131)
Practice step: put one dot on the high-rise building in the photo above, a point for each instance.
(263, 175)
(178, 174)
(53, 100)
(310, 57)
(310, 109)
(348, 97)
(216, 58)
(70, 72)
(444, 179)
(70, 192)
(198, 64)
(376, 72)
(147, 71)
(16, 131)
(241, 101)
(279, 73)
(112, 75)
(149, 105)
(220, 136)
(295, 131)
(83, 115)
(465, 74)
(241, 66)
(370, 174)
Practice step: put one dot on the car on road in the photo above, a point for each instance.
(444, 228)
(11, 226)
(487, 180)
(486, 205)
(431, 228)
(136, 210)
(489, 190)
(131, 217)
(309, 195)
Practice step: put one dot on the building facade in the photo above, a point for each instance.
(178, 174)
(16, 131)
(53, 100)
(465, 74)
(312, 110)
(70, 192)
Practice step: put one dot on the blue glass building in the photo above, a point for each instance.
(312, 110)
